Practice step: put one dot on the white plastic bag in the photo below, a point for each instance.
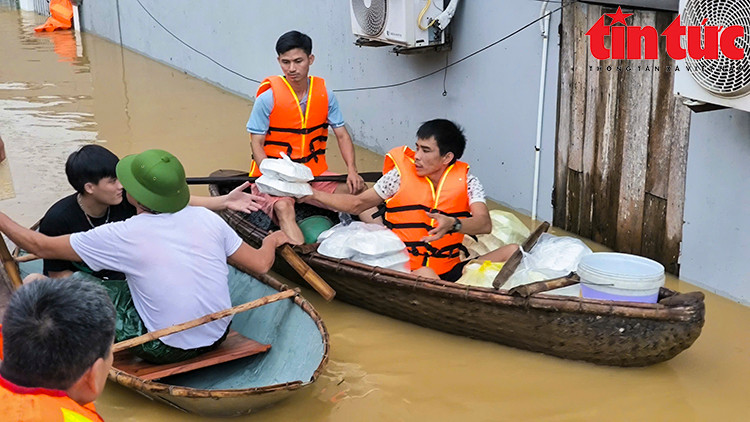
(480, 274)
(553, 256)
(370, 244)
(277, 187)
(285, 169)
(398, 260)
(506, 229)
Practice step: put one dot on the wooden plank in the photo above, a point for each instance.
(662, 107)
(578, 105)
(591, 130)
(606, 181)
(654, 220)
(515, 259)
(572, 223)
(637, 107)
(234, 347)
(563, 115)
(676, 186)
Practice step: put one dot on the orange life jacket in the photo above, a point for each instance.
(406, 212)
(26, 404)
(61, 16)
(301, 134)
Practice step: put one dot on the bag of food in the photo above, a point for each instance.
(370, 244)
(285, 169)
(553, 256)
(480, 274)
(506, 229)
(277, 187)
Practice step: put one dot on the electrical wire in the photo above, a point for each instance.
(368, 88)
(419, 18)
(194, 49)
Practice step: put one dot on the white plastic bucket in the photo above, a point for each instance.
(619, 276)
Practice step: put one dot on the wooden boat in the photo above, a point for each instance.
(602, 332)
(298, 353)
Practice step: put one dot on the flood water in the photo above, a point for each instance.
(61, 90)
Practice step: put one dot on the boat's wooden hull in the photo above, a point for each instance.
(602, 332)
(299, 352)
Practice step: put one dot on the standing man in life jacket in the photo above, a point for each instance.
(431, 201)
(56, 351)
(292, 114)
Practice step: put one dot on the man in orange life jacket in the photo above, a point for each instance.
(291, 114)
(431, 201)
(57, 351)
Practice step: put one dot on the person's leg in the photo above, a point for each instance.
(501, 254)
(284, 213)
(33, 277)
(425, 272)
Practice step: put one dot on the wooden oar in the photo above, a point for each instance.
(371, 176)
(510, 266)
(307, 273)
(10, 266)
(136, 341)
(527, 290)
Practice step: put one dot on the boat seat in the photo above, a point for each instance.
(235, 346)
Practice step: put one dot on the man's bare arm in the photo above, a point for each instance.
(353, 204)
(45, 247)
(259, 260)
(353, 180)
(256, 144)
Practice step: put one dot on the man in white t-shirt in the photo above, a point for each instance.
(174, 256)
(430, 201)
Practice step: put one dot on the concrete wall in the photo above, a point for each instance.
(494, 94)
(716, 234)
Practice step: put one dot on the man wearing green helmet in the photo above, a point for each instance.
(174, 255)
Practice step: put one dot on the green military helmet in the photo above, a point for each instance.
(313, 226)
(156, 179)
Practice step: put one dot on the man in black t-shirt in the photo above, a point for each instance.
(98, 200)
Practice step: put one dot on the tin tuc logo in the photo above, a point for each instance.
(714, 38)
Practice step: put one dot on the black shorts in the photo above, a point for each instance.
(454, 273)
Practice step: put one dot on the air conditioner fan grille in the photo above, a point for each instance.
(371, 19)
(723, 76)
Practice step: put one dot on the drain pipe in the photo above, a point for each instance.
(540, 110)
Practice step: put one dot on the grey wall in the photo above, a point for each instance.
(716, 234)
(494, 94)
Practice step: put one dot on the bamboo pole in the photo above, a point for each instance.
(307, 273)
(126, 344)
(371, 176)
(10, 266)
(527, 290)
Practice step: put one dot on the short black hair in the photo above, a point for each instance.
(292, 40)
(54, 331)
(90, 164)
(448, 135)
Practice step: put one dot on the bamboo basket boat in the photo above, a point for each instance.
(298, 354)
(597, 331)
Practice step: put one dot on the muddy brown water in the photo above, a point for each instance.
(61, 90)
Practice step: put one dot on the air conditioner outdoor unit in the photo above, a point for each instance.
(721, 81)
(402, 23)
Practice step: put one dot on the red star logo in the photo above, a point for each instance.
(619, 16)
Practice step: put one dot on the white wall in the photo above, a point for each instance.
(493, 95)
(716, 234)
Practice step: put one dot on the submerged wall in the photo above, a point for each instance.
(494, 94)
